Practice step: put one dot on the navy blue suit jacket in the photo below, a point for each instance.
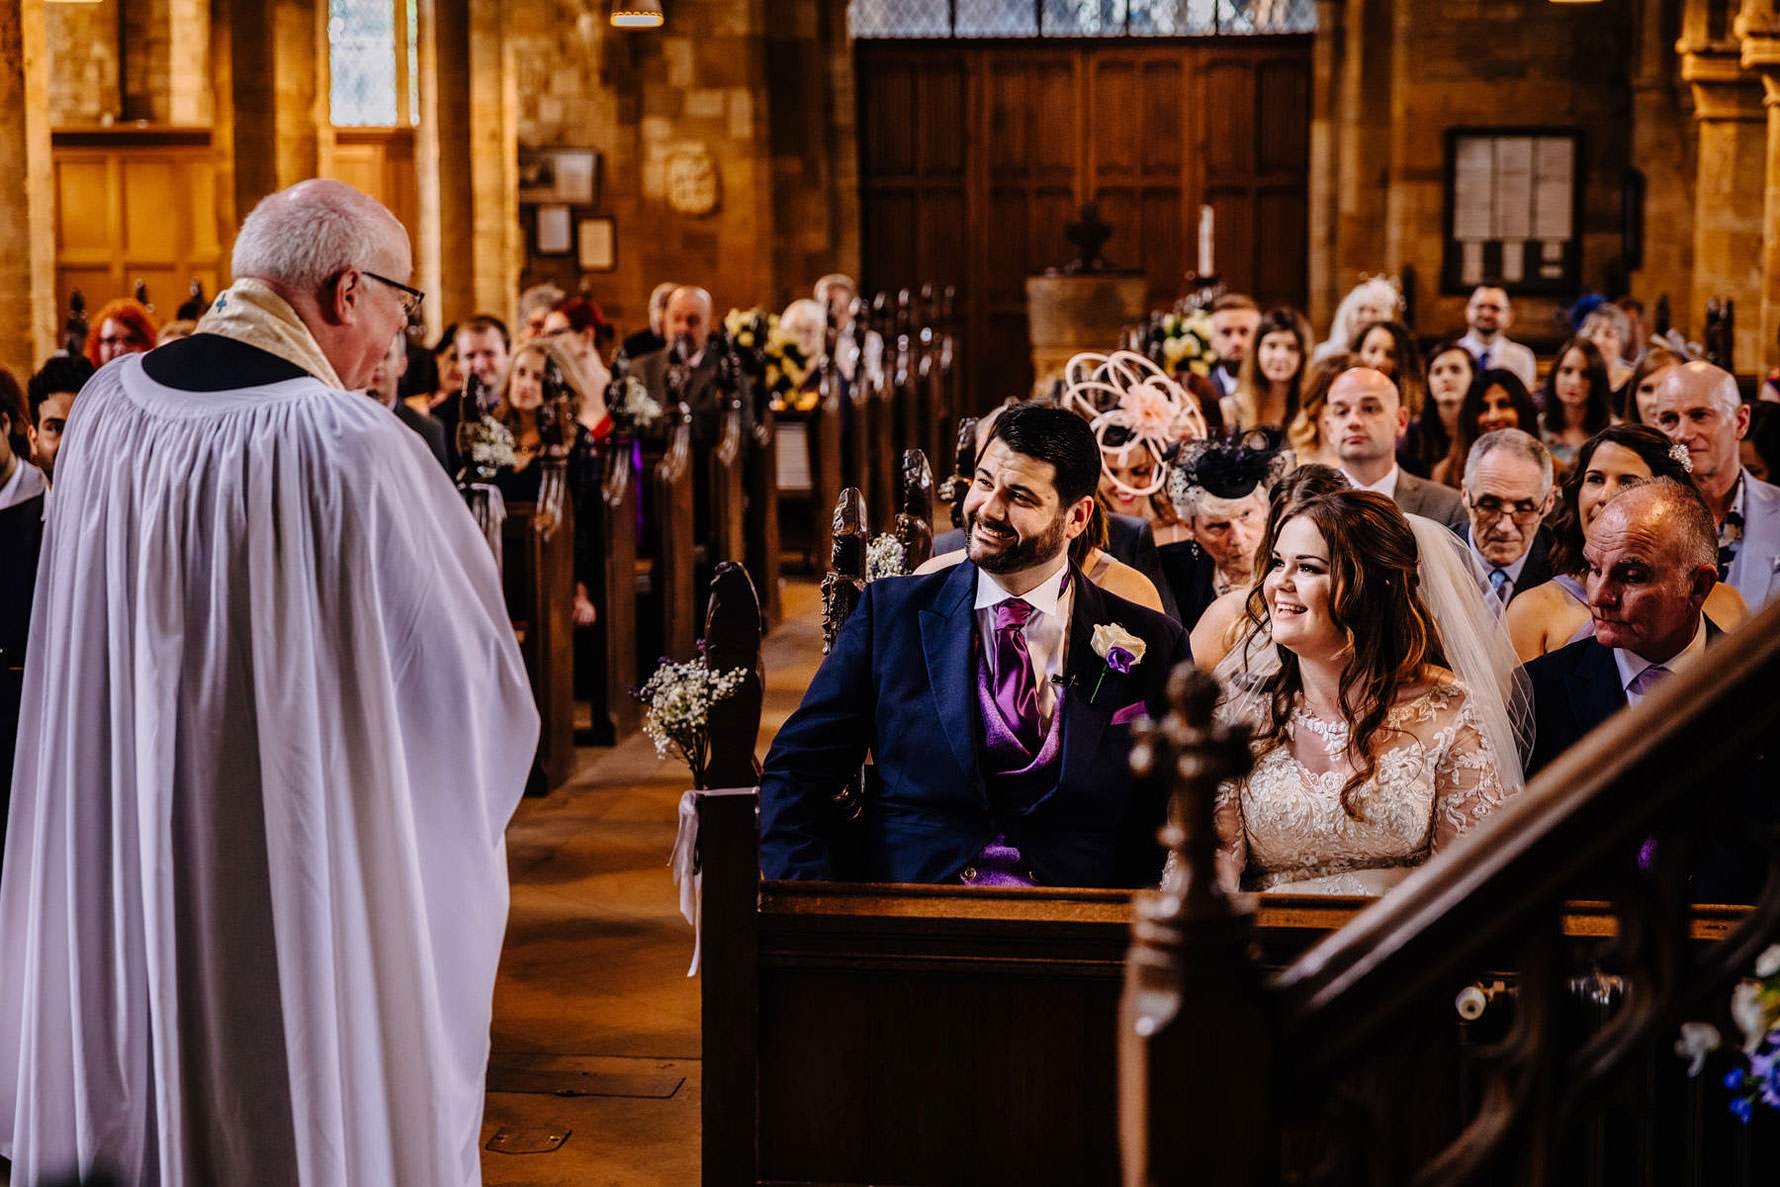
(901, 683)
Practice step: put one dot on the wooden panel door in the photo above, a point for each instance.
(974, 158)
(130, 207)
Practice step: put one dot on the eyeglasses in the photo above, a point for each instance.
(1490, 507)
(408, 296)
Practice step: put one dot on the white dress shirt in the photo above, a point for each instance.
(1386, 486)
(1047, 631)
(27, 482)
(1505, 356)
(1632, 666)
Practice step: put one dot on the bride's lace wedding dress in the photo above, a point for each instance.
(1283, 828)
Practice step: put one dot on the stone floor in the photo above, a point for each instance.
(596, 1025)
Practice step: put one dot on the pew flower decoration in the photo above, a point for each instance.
(1121, 650)
(884, 557)
(677, 704)
(1754, 1077)
(1186, 342)
(491, 446)
(631, 406)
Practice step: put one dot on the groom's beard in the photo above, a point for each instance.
(1019, 552)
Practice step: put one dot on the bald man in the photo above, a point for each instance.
(275, 724)
(1698, 406)
(1362, 420)
(688, 324)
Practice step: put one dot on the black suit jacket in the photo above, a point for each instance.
(431, 430)
(703, 394)
(901, 684)
(1576, 688)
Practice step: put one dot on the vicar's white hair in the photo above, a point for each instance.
(304, 236)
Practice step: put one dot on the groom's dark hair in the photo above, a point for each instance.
(1049, 434)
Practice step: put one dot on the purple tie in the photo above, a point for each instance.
(1016, 690)
(1645, 680)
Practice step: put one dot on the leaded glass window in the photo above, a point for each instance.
(373, 65)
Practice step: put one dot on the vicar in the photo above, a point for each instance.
(275, 723)
(995, 696)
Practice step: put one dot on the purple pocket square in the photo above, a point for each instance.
(1129, 713)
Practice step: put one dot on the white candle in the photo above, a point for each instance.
(1205, 235)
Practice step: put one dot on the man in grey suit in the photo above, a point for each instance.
(1363, 419)
(688, 326)
(1698, 406)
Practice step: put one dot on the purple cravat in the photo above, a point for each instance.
(1010, 673)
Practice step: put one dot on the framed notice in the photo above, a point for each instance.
(554, 236)
(569, 176)
(599, 244)
(1513, 210)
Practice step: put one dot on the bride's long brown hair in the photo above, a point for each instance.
(1375, 601)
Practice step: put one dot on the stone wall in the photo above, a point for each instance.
(758, 97)
(1406, 72)
(83, 66)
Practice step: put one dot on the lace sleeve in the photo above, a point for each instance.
(1232, 838)
(1467, 779)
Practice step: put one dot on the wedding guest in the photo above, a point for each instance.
(1405, 754)
(1614, 460)
(1637, 342)
(1506, 492)
(1451, 371)
(1575, 400)
(1219, 490)
(22, 492)
(1610, 330)
(483, 346)
(121, 327)
(1362, 422)
(520, 396)
(580, 326)
(1647, 376)
(1267, 385)
(1488, 315)
(1389, 348)
(1225, 621)
(51, 394)
(1133, 479)
(1235, 319)
(1089, 553)
(1759, 450)
(688, 326)
(1652, 560)
(652, 337)
(1305, 432)
(995, 697)
(385, 383)
(1698, 406)
(535, 304)
(1496, 400)
(1373, 300)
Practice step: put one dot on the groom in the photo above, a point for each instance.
(994, 695)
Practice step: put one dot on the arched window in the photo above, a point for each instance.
(373, 63)
(1078, 18)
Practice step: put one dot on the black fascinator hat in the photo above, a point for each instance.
(1225, 469)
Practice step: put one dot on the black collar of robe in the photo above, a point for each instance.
(212, 363)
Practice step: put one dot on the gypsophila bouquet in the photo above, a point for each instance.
(491, 445)
(631, 406)
(1754, 1077)
(677, 704)
(884, 557)
(1186, 342)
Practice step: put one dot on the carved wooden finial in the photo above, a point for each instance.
(844, 585)
(964, 468)
(732, 640)
(914, 525)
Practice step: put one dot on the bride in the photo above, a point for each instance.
(1382, 729)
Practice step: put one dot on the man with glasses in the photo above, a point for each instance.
(1507, 490)
(275, 722)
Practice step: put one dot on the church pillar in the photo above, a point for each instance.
(270, 101)
(27, 233)
(467, 159)
(1325, 166)
(1662, 149)
(1730, 183)
(1759, 28)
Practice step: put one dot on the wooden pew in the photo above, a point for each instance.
(760, 453)
(617, 541)
(538, 576)
(726, 480)
(668, 521)
(825, 453)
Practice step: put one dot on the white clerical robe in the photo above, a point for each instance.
(275, 724)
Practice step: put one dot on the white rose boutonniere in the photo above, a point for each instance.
(1121, 650)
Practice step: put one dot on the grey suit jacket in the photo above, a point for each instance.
(1756, 572)
(1431, 500)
